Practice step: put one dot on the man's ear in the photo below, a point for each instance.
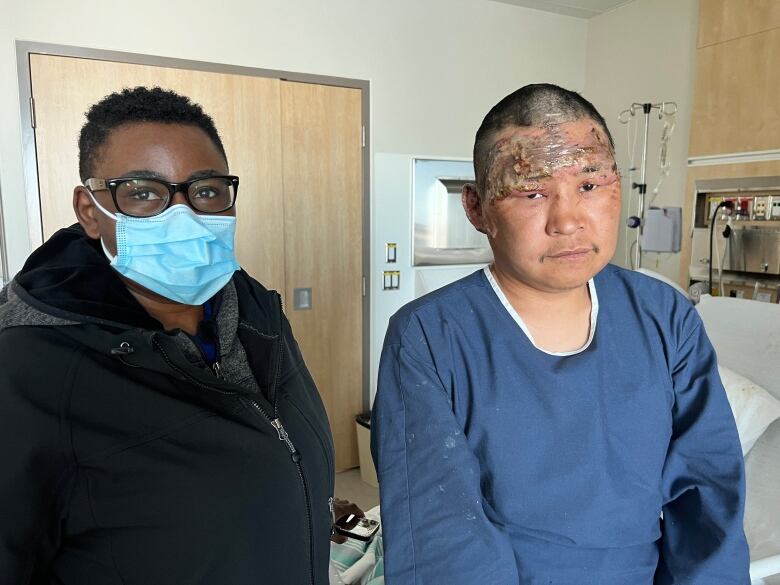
(86, 212)
(472, 204)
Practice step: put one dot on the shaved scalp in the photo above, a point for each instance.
(534, 105)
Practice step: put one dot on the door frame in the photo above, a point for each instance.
(30, 165)
(4, 276)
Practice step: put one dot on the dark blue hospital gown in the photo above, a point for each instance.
(502, 464)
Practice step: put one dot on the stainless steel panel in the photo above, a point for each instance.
(754, 249)
(442, 232)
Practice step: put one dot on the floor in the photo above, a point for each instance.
(350, 487)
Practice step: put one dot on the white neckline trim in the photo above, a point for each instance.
(594, 312)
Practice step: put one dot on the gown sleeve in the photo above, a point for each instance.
(434, 525)
(703, 479)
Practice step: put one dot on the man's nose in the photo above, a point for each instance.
(564, 217)
(180, 197)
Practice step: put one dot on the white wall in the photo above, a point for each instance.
(645, 52)
(435, 66)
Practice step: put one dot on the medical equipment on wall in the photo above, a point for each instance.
(736, 238)
(728, 207)
(662, 230)
(660, 222)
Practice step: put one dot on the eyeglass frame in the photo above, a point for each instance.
(110, 185)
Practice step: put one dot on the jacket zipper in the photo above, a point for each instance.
(283, 436)
(178, 370)
(216, 367)
(296, 458)
(326, 452)
(275, 422)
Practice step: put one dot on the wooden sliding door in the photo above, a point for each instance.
(321, 154)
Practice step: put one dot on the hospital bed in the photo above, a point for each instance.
(746, 337)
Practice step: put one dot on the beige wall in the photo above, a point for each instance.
(645, 52)
(435, 66)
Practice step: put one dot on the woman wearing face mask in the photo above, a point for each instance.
(157, 422)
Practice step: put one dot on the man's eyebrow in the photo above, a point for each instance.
(590, 169)
(141, 174)
(203, 174)
(147, 174)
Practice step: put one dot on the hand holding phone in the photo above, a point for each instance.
(358, 527)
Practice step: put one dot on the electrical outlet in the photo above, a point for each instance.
(759, 207)
(775, 211)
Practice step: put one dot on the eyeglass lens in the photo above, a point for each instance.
(147, 197)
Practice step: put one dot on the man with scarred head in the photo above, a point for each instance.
(553, 418)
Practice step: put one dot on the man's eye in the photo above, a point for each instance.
(144, 195)
(588, 187)
(206, 193)
(534, 196)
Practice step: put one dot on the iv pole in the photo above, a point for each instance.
(638, 221)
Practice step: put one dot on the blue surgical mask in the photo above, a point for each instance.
(177, 254)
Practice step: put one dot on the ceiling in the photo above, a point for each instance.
(578, 8)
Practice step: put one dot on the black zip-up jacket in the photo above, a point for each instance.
(125, 460)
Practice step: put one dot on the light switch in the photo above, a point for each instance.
(391, 280)
(391, 253)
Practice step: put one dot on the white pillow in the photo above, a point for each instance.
(754, 408)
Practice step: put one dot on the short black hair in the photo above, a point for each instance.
(530, 106)
(138, 104)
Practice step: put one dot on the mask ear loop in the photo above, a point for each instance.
(100, 207)
(111, 259)
(113, 216)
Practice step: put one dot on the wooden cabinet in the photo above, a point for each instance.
(737, 96)
(725, 20)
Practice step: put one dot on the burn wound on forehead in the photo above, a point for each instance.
(553, 119)
(602, 139)
(520, 159)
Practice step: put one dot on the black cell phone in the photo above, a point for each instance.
(358, 527)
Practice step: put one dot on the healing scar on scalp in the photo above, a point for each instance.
(522, 163)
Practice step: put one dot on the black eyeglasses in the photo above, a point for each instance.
(143, 197)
